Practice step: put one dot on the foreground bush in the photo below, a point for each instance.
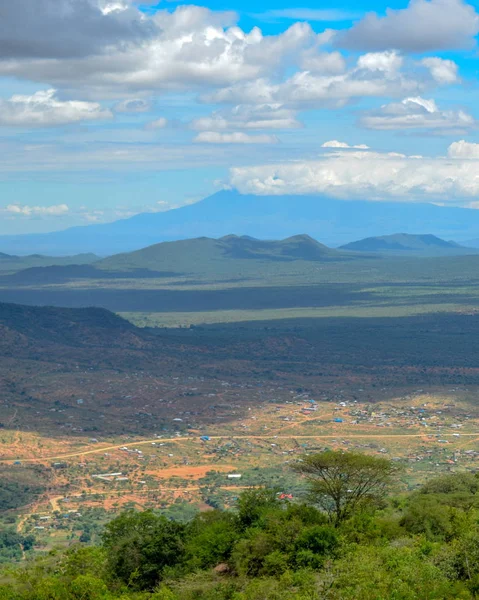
(422, 545)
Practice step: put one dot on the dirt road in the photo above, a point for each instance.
(131, 444)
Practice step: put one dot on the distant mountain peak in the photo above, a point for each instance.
(178, 255)
(332, 220)
(403, 242)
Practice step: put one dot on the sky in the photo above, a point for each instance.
(109, 108)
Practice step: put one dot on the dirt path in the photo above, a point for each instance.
(271, 436)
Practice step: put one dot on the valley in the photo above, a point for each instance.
(217, 371)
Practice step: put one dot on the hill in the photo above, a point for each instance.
(23, 327)
(13, 263)
(408, 243)
(200, 253)
(333, 221)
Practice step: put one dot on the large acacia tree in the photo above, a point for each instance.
(342, 481)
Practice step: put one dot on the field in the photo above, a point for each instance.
(266, 362)
(251, 290)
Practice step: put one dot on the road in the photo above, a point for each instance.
(132, 444)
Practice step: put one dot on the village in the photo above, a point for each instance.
(209, 445)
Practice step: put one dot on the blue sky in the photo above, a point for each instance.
(110, 107)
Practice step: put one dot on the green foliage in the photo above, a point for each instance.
(343, 481)
(12, 544)
(424, 545)
(19, 487)
(253, 504)
(141, 546)
(210, 538)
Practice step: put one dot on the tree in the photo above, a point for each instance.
(342, 481)
(140, 546)
(210, 538)
(252, 504)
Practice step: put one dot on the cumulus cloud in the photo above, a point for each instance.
(463, 149)
(187, 48)
(160, 123)
(44, 109)
(214, 137)
(424, 26)
(369, 175)
(134, 105)
(329, 63)
(417, 113)
(444, 72)
(376, 74)
(23, 210)
(60, 29)
(337, 144)
(261, 116)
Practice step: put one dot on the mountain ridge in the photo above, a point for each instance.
(405, 243)
(333, 221)
(177, 255)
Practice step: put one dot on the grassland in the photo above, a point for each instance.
(252, 290)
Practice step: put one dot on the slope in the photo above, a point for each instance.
(51, 327)
(201, 253)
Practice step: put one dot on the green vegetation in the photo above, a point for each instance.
(185, 256)
(340, 482)
(208, 281)
(423, 544)
(19, 487)
(11, 264)
(12, 544)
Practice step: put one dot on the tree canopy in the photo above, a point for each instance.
(340, 481)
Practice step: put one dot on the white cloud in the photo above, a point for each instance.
(336, 144)
(377, 74)
(443, 71)
(370, 175)
(424, 26)
(386, 62)
(329, 63)
(23, 210)
(160, 123)
(214, 137)
(44, 109)
(243, 116)
(133, 105)
(192, 47)
(463, 149)
(417, 113)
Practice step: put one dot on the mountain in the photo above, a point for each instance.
(16, 263)
(196, 254)
(333, 221)
(401, 243)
